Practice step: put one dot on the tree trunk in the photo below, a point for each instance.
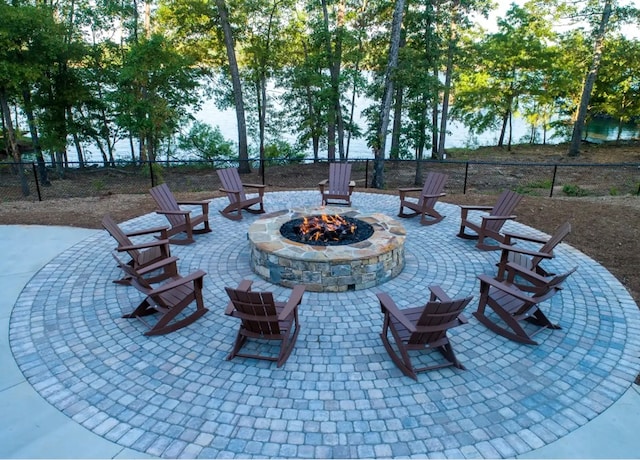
(447, 86)
(76, 139)
(332, 110)
(243, 152)
(33, 129)
(12, 143)
(383, 122)
(578, 126)
(394, 153)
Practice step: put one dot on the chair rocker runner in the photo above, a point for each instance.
(238, 200)
(263, 318)
(141, 254)
(513, 303)
(339, 187)
(424, 205)
(528, 258)
(169, 299)
(491, 224)
(421, 328)
(181, 221)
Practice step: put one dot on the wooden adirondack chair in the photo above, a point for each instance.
(492, 223)
(141, 254)
(238, 200)
(264, 318)
(421, 328)
(513, 303)
(169, 299)
(425, 203)
(339, 187)
(181, 221)
(527, 258)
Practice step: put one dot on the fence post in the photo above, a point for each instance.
(35, 178)
(553, 181)
(366, 174)
(466, 173)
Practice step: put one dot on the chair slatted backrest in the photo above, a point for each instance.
(507, 202)
(167, 202)
(256, 310)
(116, 232)
(551, 287)
(438, 317)
(433, 185)
(559, 235)
(230, 179)
(339, 178)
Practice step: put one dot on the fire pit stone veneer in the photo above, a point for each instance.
(336, 268)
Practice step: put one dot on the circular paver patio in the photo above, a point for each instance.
(339, 395)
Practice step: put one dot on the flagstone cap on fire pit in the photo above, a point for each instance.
(338, 268)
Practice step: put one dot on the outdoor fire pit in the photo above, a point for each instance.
(326, 230)
(331, 249)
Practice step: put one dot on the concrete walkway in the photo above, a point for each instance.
(80, 382)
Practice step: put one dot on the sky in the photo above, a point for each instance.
(630, 31)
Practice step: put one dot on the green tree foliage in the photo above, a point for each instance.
(509, 65)
(157, 87)
(617, 90)
(206, 143)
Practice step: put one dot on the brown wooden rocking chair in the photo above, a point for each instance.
(181, 221)
(424, 205)
(238, 200)
(514, 302)
(339, 187)
(421, 328)
(264, 318)
(491, 224)
(527, 258)
(141, 254)
(169, 299)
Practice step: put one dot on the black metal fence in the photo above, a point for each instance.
(482, 177)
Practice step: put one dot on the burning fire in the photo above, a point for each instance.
(325, 228)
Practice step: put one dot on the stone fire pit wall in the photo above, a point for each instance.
(338, 268)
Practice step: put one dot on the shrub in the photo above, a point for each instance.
(574, 190)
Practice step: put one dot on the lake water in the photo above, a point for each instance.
(459, 135)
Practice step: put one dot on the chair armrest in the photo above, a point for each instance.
(179, 282)
(389, 306)
(147, 231)
(528, 252)
(157, 265)
(293, 302)
(195, 202)
(506, 288)
(438, 195)
(146, 245)
(499, 217)
(176, 212)
(323, 182)
(533, 239)
(438, 293)
(224, 190)
(529, 275)
(409, 189)
(471, 207)
(254, 185)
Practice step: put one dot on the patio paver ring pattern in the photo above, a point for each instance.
(339, 394)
